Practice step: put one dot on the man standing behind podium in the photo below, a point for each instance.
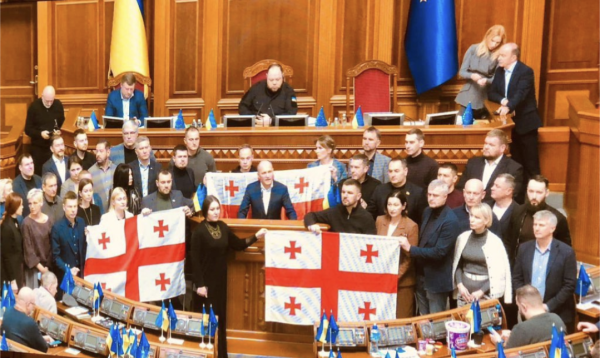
(266, 197)
(45, 117)
(127, 102)
(514, 88)
(269, 97)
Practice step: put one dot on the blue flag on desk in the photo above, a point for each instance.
(500, 349)
(467, 118)
(583, 282)
(4, 343)
(143, 347)
(172, 316)
(321, 121)
(431, 43)
(179, 122)
(68, 283)
(212, 322)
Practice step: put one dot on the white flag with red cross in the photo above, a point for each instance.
(354, 276)
(141, 257)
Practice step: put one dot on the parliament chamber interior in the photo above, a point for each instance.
(291, 80)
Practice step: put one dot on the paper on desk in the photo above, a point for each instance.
(76, 311)
(587, 306)
(175, 341)
(72, 351)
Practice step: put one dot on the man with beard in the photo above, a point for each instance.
(81, 146)
(103, 172)
(166, 198)
(27, 180)
(521, 221)
(415, 196)
(269, 98)
(378, 163)
(493, 163)
(57, 163)
(349, 217)
(448, 173)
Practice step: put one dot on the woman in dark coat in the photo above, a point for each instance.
(12, 242)
(211, 241)
(123, 178)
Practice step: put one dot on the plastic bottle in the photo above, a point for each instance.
(375, 337)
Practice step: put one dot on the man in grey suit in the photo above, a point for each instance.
(166, 198)
(378, 163)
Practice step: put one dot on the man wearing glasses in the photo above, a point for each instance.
(125, 152)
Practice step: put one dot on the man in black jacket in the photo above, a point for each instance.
(18, 325)
(349, 217)
(513, 88)
(521, 221)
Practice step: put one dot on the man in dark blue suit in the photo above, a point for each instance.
(165, 198)
(473, 193)
(503, 205)
(434, 254)
(127, 102)
(514, 88)
(550, 266)
(266, 197)
(27, 180)
(68, 239)
(145, 169)
(57, 163)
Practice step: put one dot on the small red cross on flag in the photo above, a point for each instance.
(161, 229)
(104, 240)
(301, 185)
(232, 189)
(367, 311)
(369, 254)
(292, 306)
(293, 250)
(163, 282)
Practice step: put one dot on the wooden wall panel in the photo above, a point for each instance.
(187, 55)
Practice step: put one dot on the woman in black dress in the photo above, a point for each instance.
(211, 241)
(12, 242)
(89, 212)
(123, 178)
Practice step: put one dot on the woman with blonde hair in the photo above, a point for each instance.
(480, 268)
(478, 67)
(117, 207)
(37, 247)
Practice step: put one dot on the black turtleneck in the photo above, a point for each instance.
(527, 227)
(183, 182)
(421, 170)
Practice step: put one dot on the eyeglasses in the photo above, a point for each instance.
(129, 133)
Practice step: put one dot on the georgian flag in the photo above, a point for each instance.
(354, 276)
(307, 187)
(141, 257)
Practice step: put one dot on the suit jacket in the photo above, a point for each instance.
(505, 228)
(406, 271)
(561, 277)
(464, 224)
(435, 253)
(67, 249)
(117, 155)
(520, 95)
(177, 200)
(416, 200)
(20, 188)
(137, 105)
(153, 171)
(50, 166)
(190, 173)
(379, 170)
(476, 165)
(280, 198)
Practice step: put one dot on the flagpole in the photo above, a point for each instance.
(210, 345)
(203, 345)
(170, 330)
(329, 328)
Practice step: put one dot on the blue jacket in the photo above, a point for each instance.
(20, 188)
(50, 166)
(137, 105)
(69, 245)
(280, 198)
(435, 253)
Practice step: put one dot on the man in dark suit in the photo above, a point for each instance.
(183, 176)
(145, 169)
(514, 88)
(57, 163)
(491, 164)
(127, 102)
(27, 180)
(68, 239)
(473, 194)
(503, 205)
(434, 254)
(165, 198)
(358, 168)
(266, 197)
(415, 196)
(550, 266)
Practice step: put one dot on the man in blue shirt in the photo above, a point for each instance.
(127, 102)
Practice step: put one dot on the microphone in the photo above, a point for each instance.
(272, 112)
(258, 112)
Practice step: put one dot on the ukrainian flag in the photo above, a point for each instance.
(322, 330)
(358, 120)
(211, 122)
(199, 197)
(128, 46)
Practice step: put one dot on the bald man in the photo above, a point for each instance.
(266, 197)
(44, 295)
(20, 327)
(473, 193)
(45, 117)
(269, 97)
(513, 88)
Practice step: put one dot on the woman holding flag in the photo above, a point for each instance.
(480, 267)
(211, 241)
(324, 147)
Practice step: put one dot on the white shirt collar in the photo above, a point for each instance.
(495, 162)
(511, 68)
(126, 99)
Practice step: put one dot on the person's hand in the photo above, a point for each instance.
(56, 132)
(404, 244)
(503, 111)
(13, 285)
(363, 203)
(260, 234)
(48, 339)
(187, 211)
(202, 291)
(43, 270)
(315, 229)
(477, 294)
(146, 211)
(87, 232)
(476, 77)
(334, 173)
(139, 123)
(74, 271)
(482, 82)
(587, 327)
(504, 102)
(464, 293)
(45, 134)
(263, 120)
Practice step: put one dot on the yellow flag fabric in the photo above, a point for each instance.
(128, 47)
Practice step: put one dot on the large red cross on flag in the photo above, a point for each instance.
(140, 258)
(355, 276)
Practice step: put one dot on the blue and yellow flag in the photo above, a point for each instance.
(358, 120)
(431, 43)
(179, 122)
(583, 282)
(211, 122)
(128, 46)
(558, 348)
(98, 295)
(500, 349)
(339, 354)
(322, 330)
(199, 197)
(143, 347)
(321, 121)
(133, 348)
(162, 321)
(204, 322)
(333, 197)
(93, 122)
(453, 353)
(474, 317)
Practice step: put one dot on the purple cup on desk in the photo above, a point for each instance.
(458, 335)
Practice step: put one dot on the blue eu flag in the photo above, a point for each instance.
(431, 44)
